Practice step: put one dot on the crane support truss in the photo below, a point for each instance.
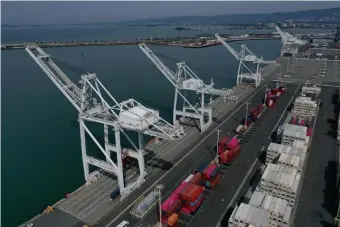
(245, 55)
(186, 80)
(290, 44)
(128, 115)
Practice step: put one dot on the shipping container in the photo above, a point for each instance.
(189, 178)
(172, 220)
(239, 128)
(170, 206)
(202, 167)
(197, 179)
(309, 132)
(236, 152)
(211, 184)
(210, 171)
(190, 192)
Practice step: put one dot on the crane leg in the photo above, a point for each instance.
(83, 151)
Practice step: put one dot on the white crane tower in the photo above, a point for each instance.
(128, 115)
(185, 79)
(245, 56)
(290, 44)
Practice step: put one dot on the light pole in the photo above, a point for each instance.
(159, 189)
(218, 140)
(245, 122)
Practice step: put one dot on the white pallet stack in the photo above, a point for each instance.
(294, 161)
(294, 132)
(280, 211)
(274, 150)
(311, 90)
(304, 106)
(280, 181)
(247, 215)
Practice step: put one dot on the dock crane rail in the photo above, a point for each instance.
(128, 115)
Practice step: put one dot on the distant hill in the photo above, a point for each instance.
(242, 18)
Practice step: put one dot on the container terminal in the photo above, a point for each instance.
(186, 149)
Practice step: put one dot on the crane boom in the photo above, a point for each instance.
(60, 79)
(170, 75)
(232, 50)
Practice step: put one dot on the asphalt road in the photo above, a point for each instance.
(200, 153)
(316, 205)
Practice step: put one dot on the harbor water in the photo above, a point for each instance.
(41, 158)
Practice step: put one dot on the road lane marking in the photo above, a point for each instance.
(183, 158)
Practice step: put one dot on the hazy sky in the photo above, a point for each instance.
(83, 12)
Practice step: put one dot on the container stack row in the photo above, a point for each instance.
(251, 118)
(280, 181)
(188, 196)
(304, 106)
(272, 95)
(228, 150)
(275, 150)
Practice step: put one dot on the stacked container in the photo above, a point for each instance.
(279, 210)
(191, 196)
(280, 181)
(247, 215)
(304, 106)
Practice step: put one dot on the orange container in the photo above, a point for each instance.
(191, 192)
(197, 179)
(215, 180)
(172, 220)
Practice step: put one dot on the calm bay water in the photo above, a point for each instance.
(41, 158)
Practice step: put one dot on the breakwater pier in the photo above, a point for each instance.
(186, 42)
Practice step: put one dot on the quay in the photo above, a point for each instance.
(186, 42)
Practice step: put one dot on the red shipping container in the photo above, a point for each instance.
(191, 192)
(224, 158)
(236, 152)
(188, 209)
(214, 181)
(230, 155)
(172, 207)
(197, 179)
(209, 171)
(309, 132)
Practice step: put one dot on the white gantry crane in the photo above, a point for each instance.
(290, 44)
(186, 80)
(245, 56)
(128, 115)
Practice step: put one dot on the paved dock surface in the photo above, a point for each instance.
(218, 200)
(316, 205)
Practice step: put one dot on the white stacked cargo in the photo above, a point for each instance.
(304, 106)
(293, 132)
(278, 208)
(311, 90)
(247, 215)
(293, 161)
(274, 150)
(280, 181)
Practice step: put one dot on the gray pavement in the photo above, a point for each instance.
(316, 205)
(58, 218)
(202, 153)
